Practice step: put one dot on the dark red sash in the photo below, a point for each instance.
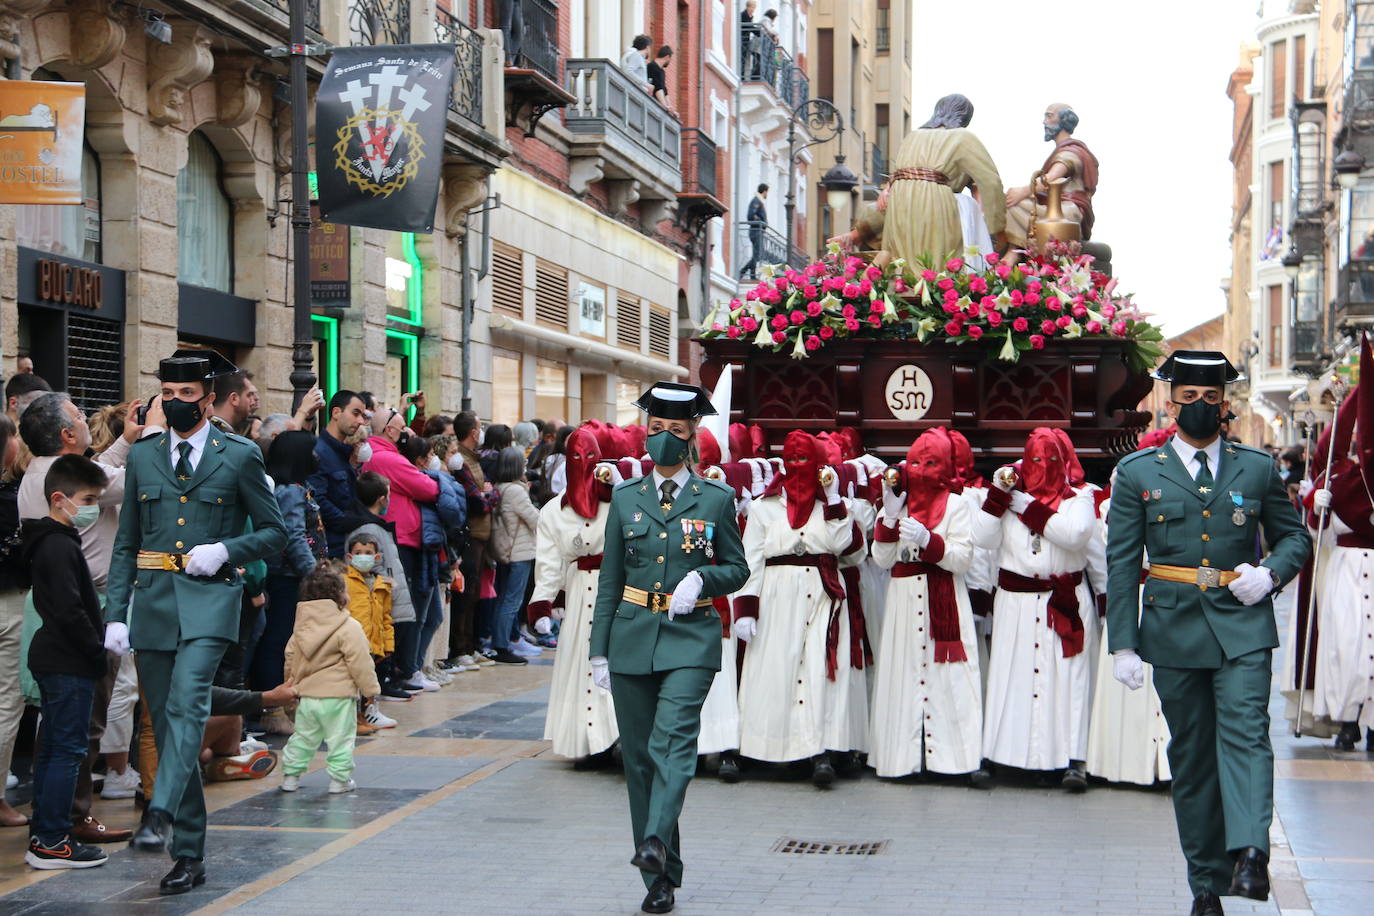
(860, 652)
(1063, 604)
(828, 565)
(590, 562)
(944, 609)
(1354, 540)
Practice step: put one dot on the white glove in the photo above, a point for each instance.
(874, 464)
(1322, 499)
(894, 504)
(756, 476)
(117, 638)
(543, 627)
(1020, 501)
(1128, 668)
(1307, 486)
(616, 477)
(685, 596)
(742, 504)
(1252, 585)
(745, 628)
(914, 532)
(1004, 478)
(832, 489)
(206, 559)
(601, 672)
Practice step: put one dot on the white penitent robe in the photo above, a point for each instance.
(789, 708)
(1032, 717)
(981, 576)
(1344, 685)
(927, 714)
(720, 712)
(1128, 738)
(581, 717)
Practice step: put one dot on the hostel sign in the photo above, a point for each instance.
(41, 128)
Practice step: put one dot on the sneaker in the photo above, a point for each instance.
(393, 693)
(248, 745)
(547, 642)
(472, 662)
(424, 683)
(253, 765)
(11, 780)
(290, 782)
(528, 650)
(410, 687)
(120, 785)
(507, 657)
(361, 729)
(63, 854)
(341, 788)
(376, 718)
(442, 678)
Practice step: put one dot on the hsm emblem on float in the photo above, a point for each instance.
(909, 392)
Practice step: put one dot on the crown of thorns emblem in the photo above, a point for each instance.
(379, 148)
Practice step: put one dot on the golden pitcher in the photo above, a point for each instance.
(1053, 225)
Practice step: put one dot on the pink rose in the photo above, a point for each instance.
(1020, 325)
(848, 311)
(928, 276)
(778, 322)
(1119, 328)
(945, 283)
(798, 316)
(1032, 285)
(978, 285)
(732, 332)
(749, 323)
(875, 320)
(1017, 298)
(989, 304)
(973, 310)
(853, 262)
(734, 304)
(1052, 303)
(752, 295)
(874, 273)
(951, 308)
(1080, 311)
(995, 318)
(1094, 327)
(865, 287)
(1003, 271)
(779, 337)
(1047, 326)
(877, 307)
(851, 324)
(899, 285)
(851, 291)
(992, 258)
(813, 309)
(781, 284)
(831, 284)
(1037, 342)
(813, 342)
(1064, 321)
(974, 331)
(1032, 298)
(1109, 311)
(951, 295)
(953, 329)
(717, 326)
(827, 332)
(954, 265)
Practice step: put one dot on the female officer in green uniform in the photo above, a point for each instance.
(672, 545)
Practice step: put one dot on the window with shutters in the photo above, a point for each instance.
(628, 323)
(1274, 295)
(507, 280)
(1300, 67)
(551, 294)
(660, 332)
(1278, 79)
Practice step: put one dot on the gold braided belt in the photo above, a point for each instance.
(171, 562)
(1204, 577)
(920, 175)
(654, 601)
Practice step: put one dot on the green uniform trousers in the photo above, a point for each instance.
(660, 720)
(176, 686)
(329, 720)
(1222, 762)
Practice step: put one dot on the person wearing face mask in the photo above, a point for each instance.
(431, 567)
(927, 668)
(672, 545)
(1205, 619)
(189, 495)
(1039, 677)
(374, 496)
(796, 701)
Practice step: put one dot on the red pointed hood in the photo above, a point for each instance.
(929, 469)
(707, 448)
(802, 460)
(584, 491)
(1044, 469)
(741, 445)
(963, 460)
(1073, 466)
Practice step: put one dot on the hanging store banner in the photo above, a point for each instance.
(380, 115)
(329, 268)
(41, 127)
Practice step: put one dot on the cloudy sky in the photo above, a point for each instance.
(1149, 84)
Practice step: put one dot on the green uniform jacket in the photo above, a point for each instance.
(1156, 506)
(228, 489)
(644, 550)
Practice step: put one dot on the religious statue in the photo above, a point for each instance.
(919, 212)
(1070, 166)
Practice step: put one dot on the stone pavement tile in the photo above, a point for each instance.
(509, 719)
(1341, 898)
(1327, 819)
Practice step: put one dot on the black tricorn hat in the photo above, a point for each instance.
(1197, 367)
(192, 365)
(675, 401)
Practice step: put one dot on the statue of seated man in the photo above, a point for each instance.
(1070, 162)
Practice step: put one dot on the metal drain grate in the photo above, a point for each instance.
(829, 848)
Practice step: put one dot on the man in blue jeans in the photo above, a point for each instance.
(66, 656)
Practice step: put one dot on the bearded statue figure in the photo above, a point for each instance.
(1071, 163)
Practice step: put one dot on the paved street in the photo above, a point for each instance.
(462, 810)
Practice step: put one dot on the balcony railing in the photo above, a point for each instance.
(698, 162)
(636, 126)
(877, 164)
(379, 22)
(1306, 343)
(763, 60)
(537, 48)
(312, 12)
(883, 40)
(793, 86)
(466, 95)
(760, 244)
(1355, 291)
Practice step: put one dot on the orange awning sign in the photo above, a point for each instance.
(41, 129)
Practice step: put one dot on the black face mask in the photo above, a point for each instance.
(181, 415)
(1199, 419)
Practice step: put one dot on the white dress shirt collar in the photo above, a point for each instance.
(1188, 455)
(197, 440)
(680, 478)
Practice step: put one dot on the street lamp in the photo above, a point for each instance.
(1292, 262)
(1347, 167)
(823, 122)
(839, 183)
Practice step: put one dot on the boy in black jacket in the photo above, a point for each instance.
(66, 656)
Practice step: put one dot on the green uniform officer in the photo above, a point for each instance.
(672, 544)
(188, 496)
(1205, 619)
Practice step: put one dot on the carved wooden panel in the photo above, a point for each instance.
(1025, 391)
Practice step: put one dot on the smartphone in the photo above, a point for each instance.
(142, 412)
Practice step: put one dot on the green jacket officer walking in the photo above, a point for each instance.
(1205, 620)
(672, 545)
(181, 542)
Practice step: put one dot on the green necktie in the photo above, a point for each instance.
(183, 469)
(667, 490)
(1204, 476)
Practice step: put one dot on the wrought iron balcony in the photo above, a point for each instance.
(466, 96)
(877, 164)
(275, 15)
(534, 81)
(379, 22)
(1355, 293)
(620, 133)
(1357, 112)
(698, 200)
(1307, 346)
(763, 60)
(757, 244)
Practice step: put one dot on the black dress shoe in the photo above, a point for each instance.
(1075, 777)
(186, 874)
(660, 897)
(1251, 877)
(651, 856)
(822, 772)
(154, 832)
(729, 769)
(1369, 739)
(1206, 904)
(1348, 736)
(980, 779)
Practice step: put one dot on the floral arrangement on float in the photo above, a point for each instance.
(1013, 307)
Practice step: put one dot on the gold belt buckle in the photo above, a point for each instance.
(1208, 577)
(657, 602)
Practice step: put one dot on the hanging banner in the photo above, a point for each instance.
(379, 126)
(41, 128)
(329, 267)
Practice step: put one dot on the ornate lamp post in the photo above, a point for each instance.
(823, 122)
